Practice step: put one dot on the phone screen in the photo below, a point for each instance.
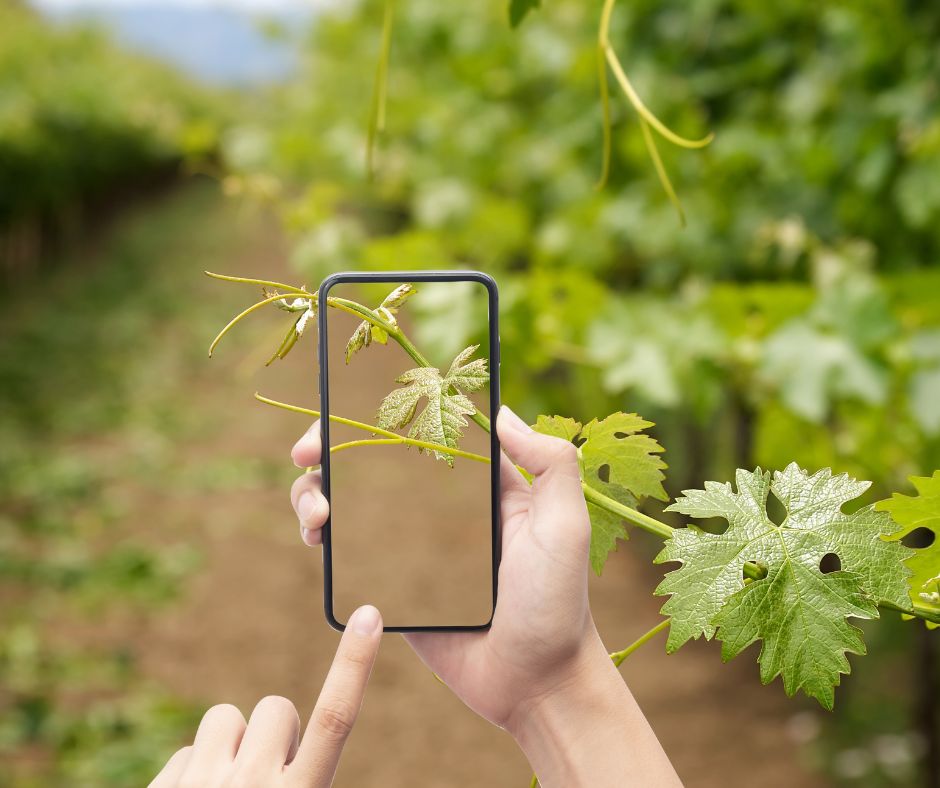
(413, 503)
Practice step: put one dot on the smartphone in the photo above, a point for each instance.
(414, 488)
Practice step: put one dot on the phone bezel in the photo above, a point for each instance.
(401, 277)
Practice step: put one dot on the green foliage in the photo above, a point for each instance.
(913, 512)
(617, 461)
(79, 118)
(442, 419)
(519, 8)
(796, 233)
(796, 609)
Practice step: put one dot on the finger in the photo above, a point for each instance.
(340, 700)
(272, 735)
(306, 451)
(310, 505)
(170, 774)
(557, 498)
(216, 743)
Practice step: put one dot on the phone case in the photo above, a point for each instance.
(324, 380)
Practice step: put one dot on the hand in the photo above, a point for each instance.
(542, 623)
(266, 750)
(541, 670)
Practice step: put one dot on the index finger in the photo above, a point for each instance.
(307, 451)
(340, 699)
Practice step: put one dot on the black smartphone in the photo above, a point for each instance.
(409, 383)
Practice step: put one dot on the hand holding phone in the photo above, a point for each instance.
(541, 670)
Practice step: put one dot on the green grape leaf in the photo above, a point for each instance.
(558, 426)
(616, 461)
(621, 463)
(796, 609)
(308, 309)
(912, 512)
(606, 529)
(366, 332)
(519, 8)
(442, 419)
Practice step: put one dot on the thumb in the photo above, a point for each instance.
(557, 498)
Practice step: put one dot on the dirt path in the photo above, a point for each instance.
(250, 622)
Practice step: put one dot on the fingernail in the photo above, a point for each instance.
(365, 620)
(513, 421)
(307, 535)
(306, 507)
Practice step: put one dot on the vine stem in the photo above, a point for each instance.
(751, 570)
(379, 89)
(411, 442)
(619, 656)
(342, 304)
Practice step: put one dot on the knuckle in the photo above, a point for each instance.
(243, 777)
(562, 451)
(335, 720)
(192, 779)
(222, 714)
(276, 706)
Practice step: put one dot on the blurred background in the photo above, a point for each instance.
(149, 562)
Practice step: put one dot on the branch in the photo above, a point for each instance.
(619, 656)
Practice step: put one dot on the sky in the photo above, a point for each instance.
(251, 5)
(218, 41)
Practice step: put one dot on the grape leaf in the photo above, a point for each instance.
(308, 311)
(796, 609)
(912, 512)
(366, 332)
(559, 426)
(519, 8)
(443, 415)
(614, 460)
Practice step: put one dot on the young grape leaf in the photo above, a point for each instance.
(366, 332)
(519, 8)
(912, 512)
(558, 426)
(614, 460)
(443, 415)
(796, 609)
(308, 309)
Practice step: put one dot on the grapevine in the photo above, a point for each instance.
(758, 580)
(606, 59)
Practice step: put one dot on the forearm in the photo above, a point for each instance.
(591, 732)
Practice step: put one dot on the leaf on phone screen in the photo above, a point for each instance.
(617, 459)
(366, 332)
(446, 404)
(914, 513)
(798, 610)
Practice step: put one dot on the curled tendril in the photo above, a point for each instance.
(607, 57)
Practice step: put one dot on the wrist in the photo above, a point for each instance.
(588, 730)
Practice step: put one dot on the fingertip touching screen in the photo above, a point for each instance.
(412, 526)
